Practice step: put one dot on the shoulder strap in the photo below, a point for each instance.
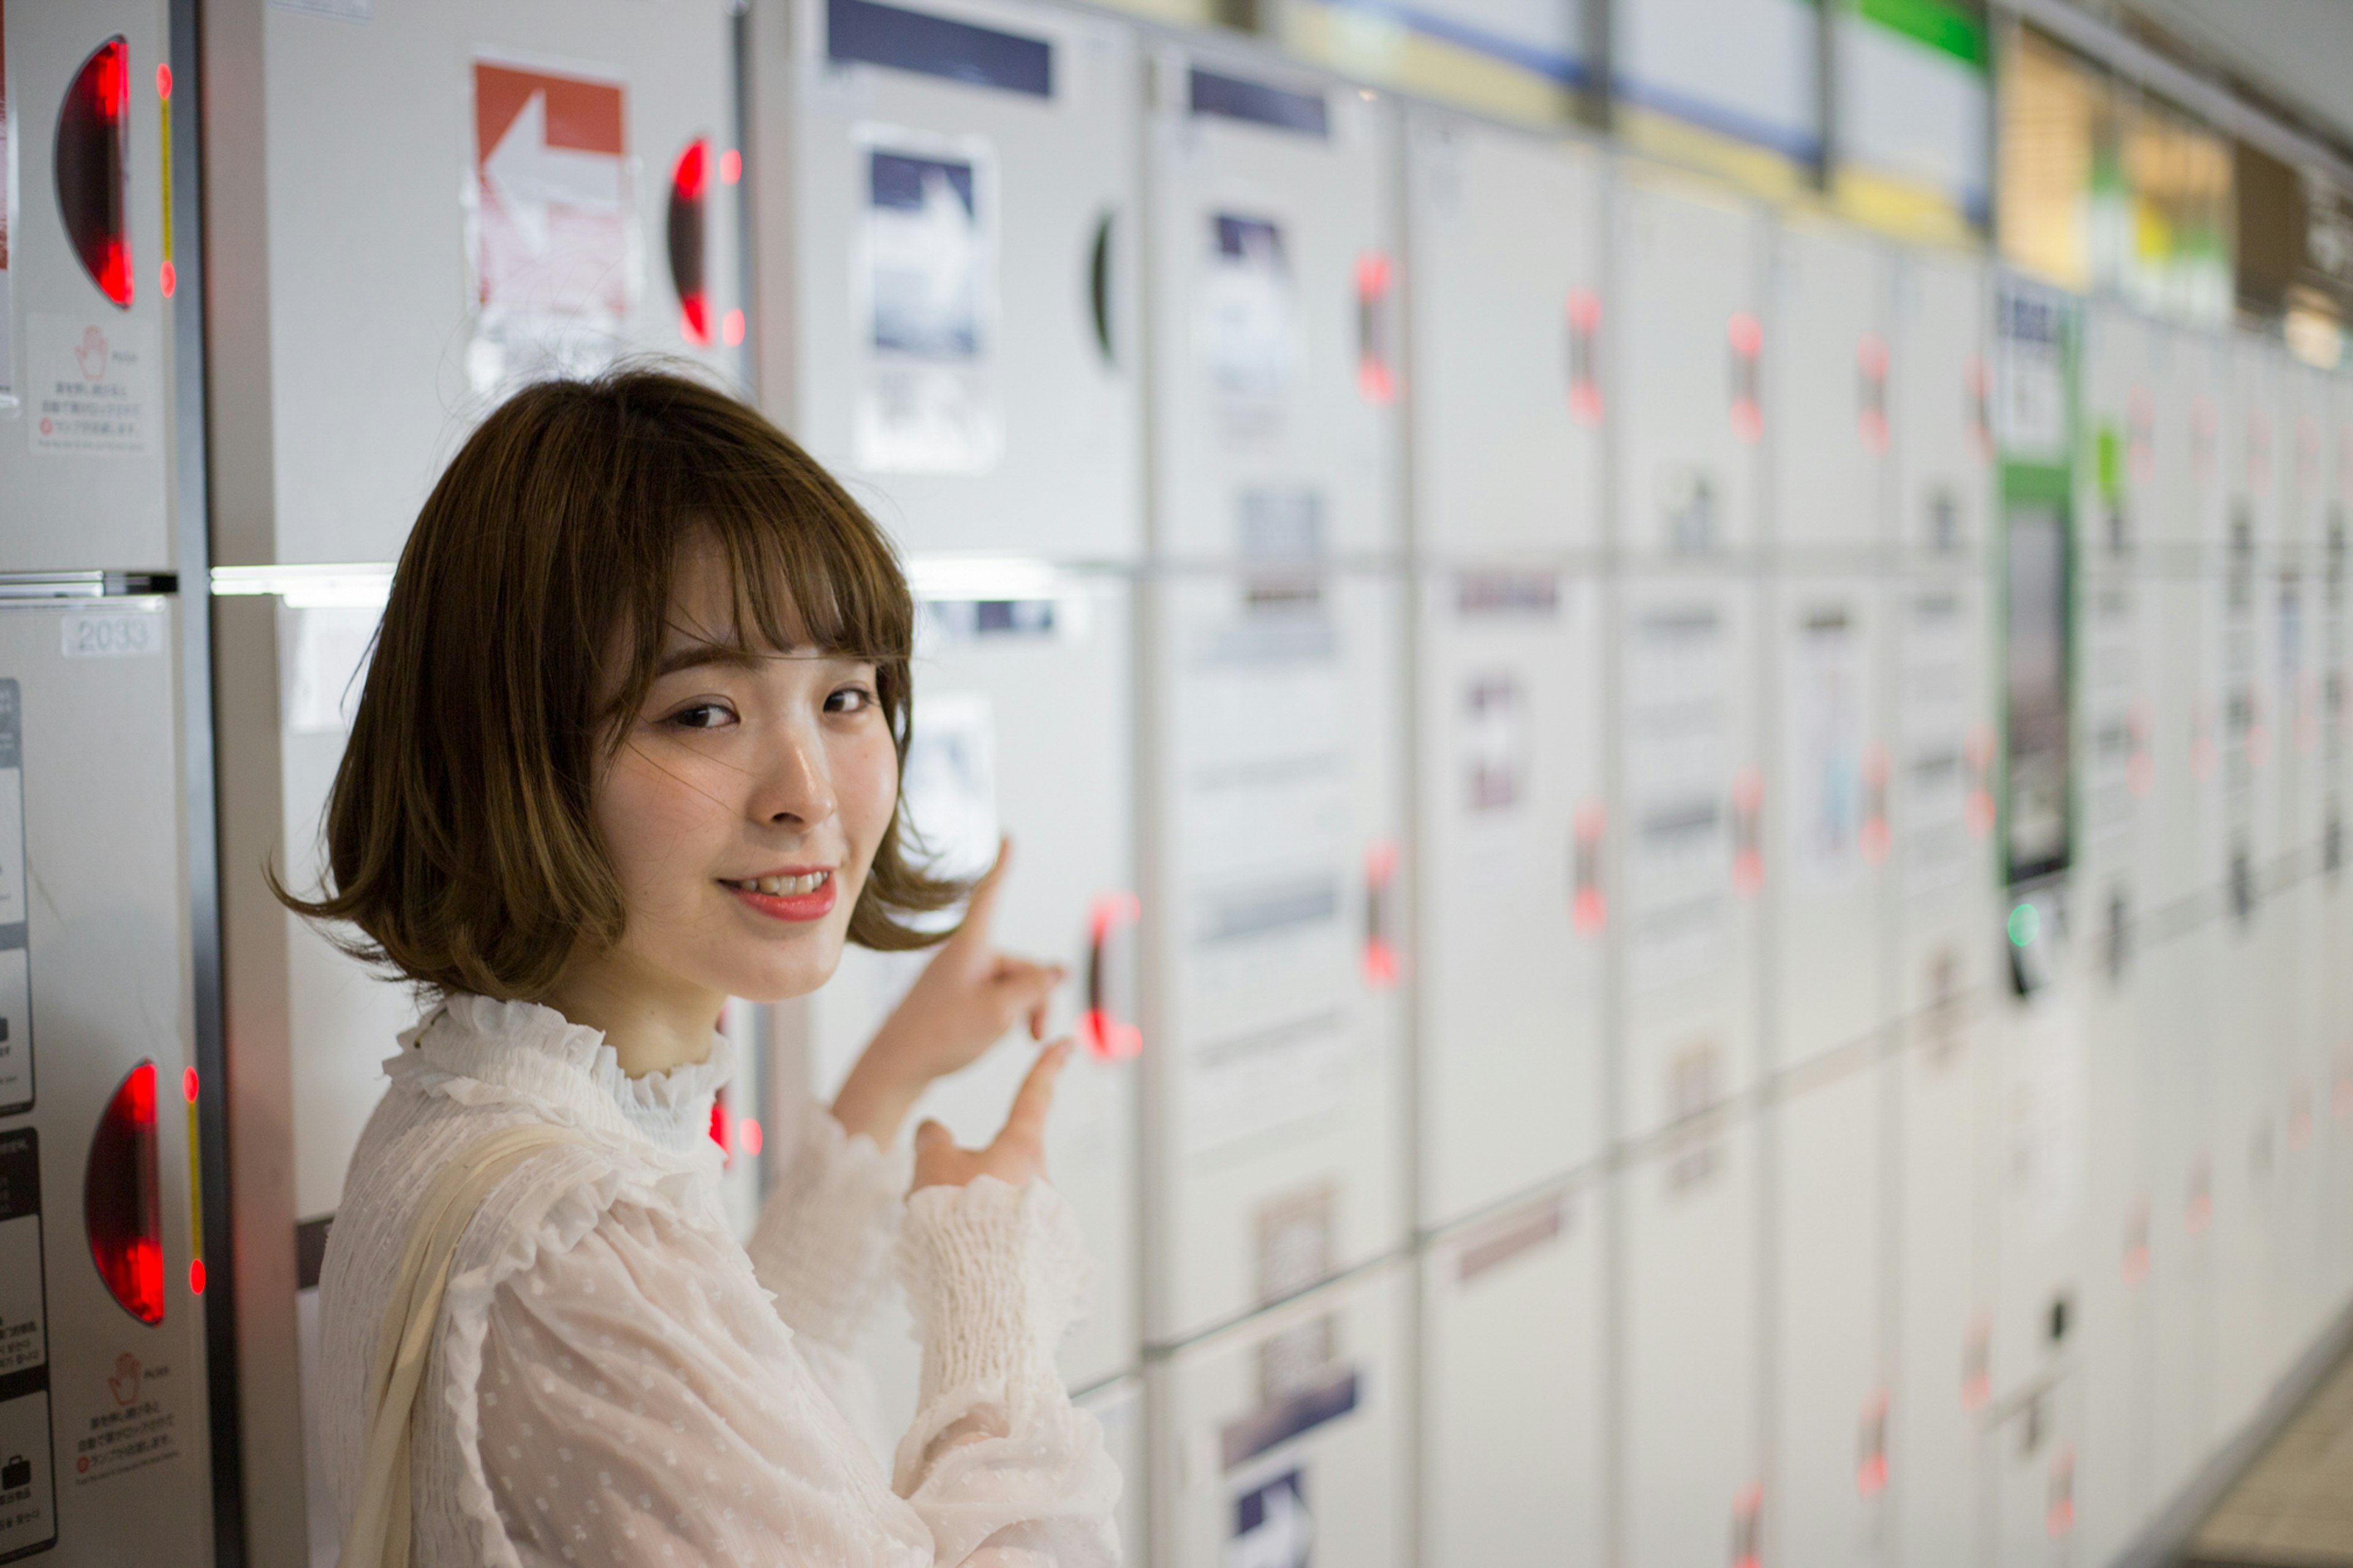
(379, 1534)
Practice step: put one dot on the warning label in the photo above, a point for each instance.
(93, 385)
(135, 1432)
(27, 1491)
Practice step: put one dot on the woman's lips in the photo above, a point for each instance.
(814, 904)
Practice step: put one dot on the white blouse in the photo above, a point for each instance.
(617, 1382)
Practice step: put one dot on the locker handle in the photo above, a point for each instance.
(1099, 291)
(122, 1209)
(689, 177)
(1105, 1028)
(92, 125)
(1382, 958)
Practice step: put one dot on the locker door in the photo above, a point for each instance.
(1943, 1314)
(1507, 313)
(964, 180)
(1691, 845)
(86, 387)
(2181, 1281)
(1829, 815)
(1288, 1432)
(1827, 369)
(1689, 1461)
(1938, 386)
(2033, 1459)
(507, 193)
(1830, 1401)
(1273, 311)
(1020, 705)
(1277, 908)
(103, 1412)
(2041, 1146)
(1511, 1427)
(1513, 903)
(1688, 364)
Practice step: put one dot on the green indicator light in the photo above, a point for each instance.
(2025, 925)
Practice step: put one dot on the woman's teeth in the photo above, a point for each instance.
(777, 886)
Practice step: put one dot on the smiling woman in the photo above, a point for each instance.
(630, 745)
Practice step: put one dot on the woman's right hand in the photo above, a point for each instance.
(1016, 1155)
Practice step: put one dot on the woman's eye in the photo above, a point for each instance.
(702, 716)
(850, 699)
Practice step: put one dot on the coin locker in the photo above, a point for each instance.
(965, 234)
(1274, 310)
(1278, 907)
(1508, 407)
(1510, 1433)
(1514, 906)
(1832, 1399)
(1022, 689)
(1288, 1438)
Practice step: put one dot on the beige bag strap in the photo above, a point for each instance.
(412, 1312)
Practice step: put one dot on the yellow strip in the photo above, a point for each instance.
(1383, 49)
(196, 1191)
(1759, 169)
(1901, 208)
(163, 164)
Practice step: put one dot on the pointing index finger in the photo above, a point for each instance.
(1027, 1117)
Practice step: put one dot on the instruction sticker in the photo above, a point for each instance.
(94, 387)
(1824, 757)
(1679, 715)
(28, 1515)
(1246, 325)
(551, 230)
(15, 970)
(1934, 730)
(925, 274)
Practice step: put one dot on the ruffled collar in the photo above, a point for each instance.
(566, 1070)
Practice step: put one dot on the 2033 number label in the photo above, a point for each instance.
(115, 634)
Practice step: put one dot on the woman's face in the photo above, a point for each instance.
(744, 804)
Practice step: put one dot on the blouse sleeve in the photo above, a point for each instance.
(642, 1406)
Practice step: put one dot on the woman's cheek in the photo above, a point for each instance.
(656, 809)
(868, 780)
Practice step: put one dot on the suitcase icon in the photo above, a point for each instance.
(17, 1472)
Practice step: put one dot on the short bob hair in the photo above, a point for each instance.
(459, 837)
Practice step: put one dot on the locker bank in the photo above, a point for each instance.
(1692, 801)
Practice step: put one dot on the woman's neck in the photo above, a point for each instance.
(652, 1026)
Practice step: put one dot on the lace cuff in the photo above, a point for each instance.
(824, 1240)
(995, 1277)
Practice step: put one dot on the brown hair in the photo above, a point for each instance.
(459, 835)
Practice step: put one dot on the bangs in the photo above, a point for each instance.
(805, 567)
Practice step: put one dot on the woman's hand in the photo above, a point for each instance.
(965, 1000)
(1019, 1150)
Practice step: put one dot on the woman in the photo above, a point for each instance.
(630, 746)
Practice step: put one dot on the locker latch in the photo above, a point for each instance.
(121, 1197)
(1870, 391)
(1376, 377)
(1747, 835)
(90, 167)
(1105, 1028)
(1587, 909)
(1871, 1443)
(1382, 954)
(1748, 1535)
(1746, 339)
(1584, 356)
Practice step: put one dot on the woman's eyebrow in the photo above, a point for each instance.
(735, 656)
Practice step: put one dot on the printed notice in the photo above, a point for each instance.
(1935, 780)
(1827, 696)
(28, 1478)
(1246, 325)
(1679, 718)
(15, 973)
(94, 387)
(550, 224)
(926, 270)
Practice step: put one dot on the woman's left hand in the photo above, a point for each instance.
(966, 999)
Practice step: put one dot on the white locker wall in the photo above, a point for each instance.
(1274, 310)
(966, 235)
(1511, 1434)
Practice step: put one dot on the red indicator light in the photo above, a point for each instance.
(164, 82)
(167, 278)
(748, 1136)
(1590, 912)
(1746, 335)
(1584, 357)
(188, 1085)
(1377, 380)
(730, 328)
(688, 176)
(120, 1206)
(90, 168)
(1103, 1026)
(1871, 1476)
(195, 1275)
(731, 166)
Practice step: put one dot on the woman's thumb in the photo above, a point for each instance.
(930, 1135)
